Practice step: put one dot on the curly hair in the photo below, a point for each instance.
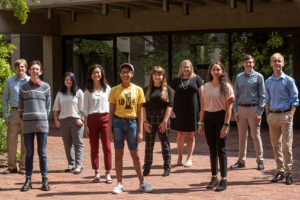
(223, 78)
(89, 81)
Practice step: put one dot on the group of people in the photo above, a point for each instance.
(122, 112)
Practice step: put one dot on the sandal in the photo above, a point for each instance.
(188, 163)
(108, 181)
(179, 162)
(97, 178)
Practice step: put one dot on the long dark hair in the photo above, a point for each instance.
(74, 88)
(89, 81)
(223, 78)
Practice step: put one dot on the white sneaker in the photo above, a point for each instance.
(118, 189)
(145, 187)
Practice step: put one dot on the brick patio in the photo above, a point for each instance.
(183, 183)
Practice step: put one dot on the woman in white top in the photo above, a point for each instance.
(96, 111)
(69, 101)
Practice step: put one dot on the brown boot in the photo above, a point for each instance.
(9, 171)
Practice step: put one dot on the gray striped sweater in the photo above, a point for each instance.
(34, 107)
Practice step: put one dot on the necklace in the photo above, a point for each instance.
(185, 86)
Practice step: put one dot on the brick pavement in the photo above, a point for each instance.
(183, 183)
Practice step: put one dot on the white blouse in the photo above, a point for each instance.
(69, 105)
(96, 102)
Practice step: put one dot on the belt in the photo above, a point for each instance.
(125, 118)
(248, 105)
(16, 108)
(280, 111)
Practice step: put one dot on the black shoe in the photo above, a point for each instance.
(277, 178)
(237, 165)
(213, 183)
(223, 185)
(27, 185)
(45, 185)
(146, 172)
(260, 165)
(166, 172)
(288, 180)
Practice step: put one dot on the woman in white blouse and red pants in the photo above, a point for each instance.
(96, 111)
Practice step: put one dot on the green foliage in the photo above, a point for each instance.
(19, 7)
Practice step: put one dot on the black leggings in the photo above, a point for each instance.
(213, 123)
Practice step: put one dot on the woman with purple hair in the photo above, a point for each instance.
(69, 101)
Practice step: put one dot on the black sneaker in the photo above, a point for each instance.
(213, 183)
(260, 165)
(166, 172)
(237, 165)
(223, 185)
(146, 172)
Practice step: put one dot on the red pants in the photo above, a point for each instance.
(98, 123)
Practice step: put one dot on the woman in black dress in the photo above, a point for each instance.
(187, 91)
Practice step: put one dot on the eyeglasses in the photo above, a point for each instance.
(124, 73)
(35, 69)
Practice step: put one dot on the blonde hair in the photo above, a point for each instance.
(278, 56)
(164, 89)
(20, 61)
(192, 75)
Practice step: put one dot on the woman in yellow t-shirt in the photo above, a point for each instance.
(125, 121)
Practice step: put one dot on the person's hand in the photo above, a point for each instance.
(6, 121)
(257, 118)
(237, 117)
(79, 122)
(57, 124)
(87, 131)
(139, 137)
(111, 136)
(224, 132)
(147, 127)
(200, 129)
(173, 115)
(163, 126)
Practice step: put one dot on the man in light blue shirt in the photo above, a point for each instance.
(13, 121)
(248, 107)
(281, 102)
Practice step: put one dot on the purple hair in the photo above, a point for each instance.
(74, 88)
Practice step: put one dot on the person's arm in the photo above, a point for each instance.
(79, 122)
(235, 102)
(112, 107)
(224, 130)
(164, 125)
(294, 97)
(20, 103)
(261, 99)
(55, 115)
(202, 112)
(267, 107)
(172, 112)
(48, 102)
(268, 99)
(200, 89)
(5, 99)
(140, 122)
(147, 126)
(56, 109)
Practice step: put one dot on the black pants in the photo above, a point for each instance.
(213, 123)
(155, 118)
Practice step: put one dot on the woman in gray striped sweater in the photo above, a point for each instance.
(34, 108)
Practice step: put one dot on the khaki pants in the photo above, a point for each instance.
(247, 118)
(281, 134)
(12, 140)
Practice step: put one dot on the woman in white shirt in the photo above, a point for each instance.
(69, 101)
(96, 111)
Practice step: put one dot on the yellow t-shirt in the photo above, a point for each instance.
(126, 100)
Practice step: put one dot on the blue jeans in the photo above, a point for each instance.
(125, 129)
(41, 148)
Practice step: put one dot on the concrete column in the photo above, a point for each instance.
(16, 41)
(48, 66)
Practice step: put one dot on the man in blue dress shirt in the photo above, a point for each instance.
(13, 121)
(248, 107)
(281, 102)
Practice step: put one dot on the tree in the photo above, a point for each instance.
(92, 51)
(20, 10)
